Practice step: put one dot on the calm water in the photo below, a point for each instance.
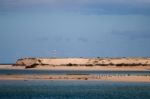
(60, 72)
(39, 89)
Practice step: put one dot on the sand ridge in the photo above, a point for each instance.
(84, 61)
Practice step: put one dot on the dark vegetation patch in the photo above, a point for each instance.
(43, 64)
(88, 65)
(32, 66)
(133, 64)
(70, 64)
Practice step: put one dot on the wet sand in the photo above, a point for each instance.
(78, 77)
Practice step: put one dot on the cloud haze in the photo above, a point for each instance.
(82, 6)
(133, 35)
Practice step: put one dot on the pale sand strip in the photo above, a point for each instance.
(78, 77)
(111, 68)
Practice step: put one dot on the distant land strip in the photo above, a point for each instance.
(33, 62)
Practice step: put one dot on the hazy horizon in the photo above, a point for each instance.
(80, 28)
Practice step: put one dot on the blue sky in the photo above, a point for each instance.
(75, 28)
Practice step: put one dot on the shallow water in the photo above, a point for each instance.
(60, 72)
(63, 89)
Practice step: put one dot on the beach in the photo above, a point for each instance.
(78, 76)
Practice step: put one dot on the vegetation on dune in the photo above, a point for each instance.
(31, 66)
(70, 64)
(33, 62)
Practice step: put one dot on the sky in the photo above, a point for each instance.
(74, 28)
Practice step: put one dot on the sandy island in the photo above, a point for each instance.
(85, 64)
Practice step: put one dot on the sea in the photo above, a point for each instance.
(73, 89)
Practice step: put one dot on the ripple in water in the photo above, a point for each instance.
(73, 90)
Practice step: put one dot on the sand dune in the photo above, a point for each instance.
(84, 61)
